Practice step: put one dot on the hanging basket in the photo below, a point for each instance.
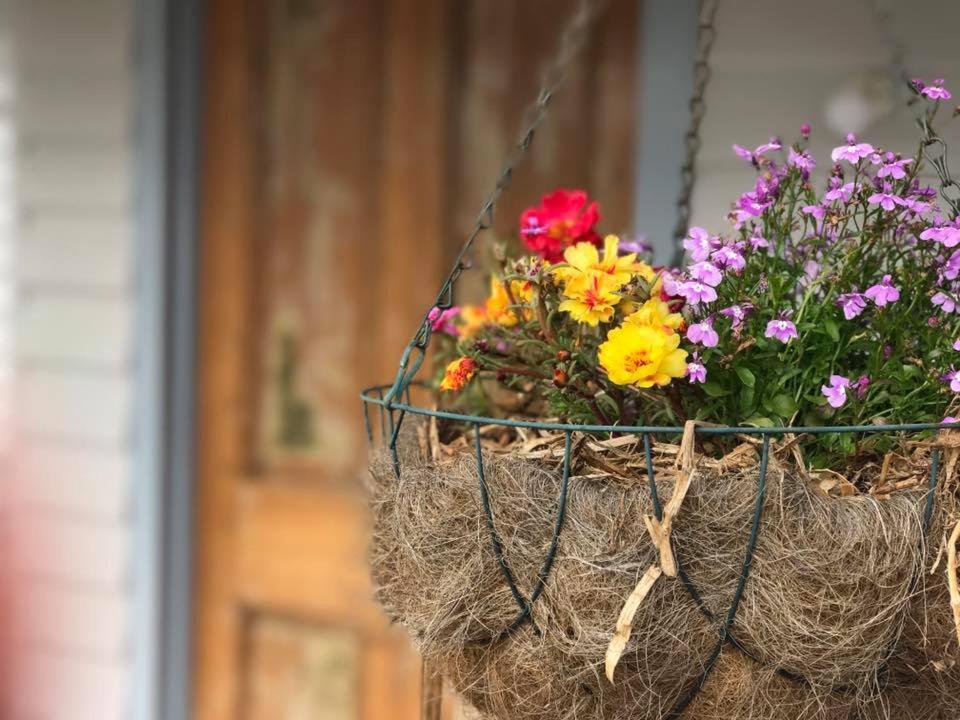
(592, 572)
(510, 568)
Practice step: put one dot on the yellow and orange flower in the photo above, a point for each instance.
(458, 373)
(472, 318)
(591, 298)
(584, 257)
(642, 356)
(498, 304)
(656, 313)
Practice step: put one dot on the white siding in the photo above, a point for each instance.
(69, 538)
(776, 64)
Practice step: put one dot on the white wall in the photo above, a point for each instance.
(72, 528)
(776, 63)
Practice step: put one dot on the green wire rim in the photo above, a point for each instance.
(375, 395)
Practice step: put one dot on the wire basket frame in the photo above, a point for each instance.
(390, 415)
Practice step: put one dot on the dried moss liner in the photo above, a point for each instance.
(390, 427)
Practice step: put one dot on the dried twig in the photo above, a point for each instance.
(952, 576)
(625, 622)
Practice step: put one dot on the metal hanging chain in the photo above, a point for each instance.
(575, 36)
(706, 34)
(934, 147)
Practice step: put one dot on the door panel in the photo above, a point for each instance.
(347, 146)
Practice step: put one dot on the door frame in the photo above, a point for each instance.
(167, 111)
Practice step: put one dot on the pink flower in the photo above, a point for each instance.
(838, 191)
(443, 320)
(956, 344)
(754, 157)
(836, 391)
(894, 168)
(944, 301)
(853, 152)
(698, 244)
(695, 292)
(757, 242)
(802, 160)
(736, 313)
(953, 377)
(696, 370)
(703, 333)
(949, 420)
(781, 329)
(706, 272)
(934, 91)
(951, 268)
(852, 304)
(728, 257)
(946, 235)
(883, 293)
(861, 386)
(563, 218)
(887, 200)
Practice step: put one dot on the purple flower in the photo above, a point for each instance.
(705, 272)
(839, 191)
(781, 329)
(949, 420)
(933, 91)
(951, 268)
(836, 391)
(698, 244)
(736, 313)
(728, 257)
(695, 292)
(802, 160)
(853, 152)
(894, 168)
(811, 268)
(754, 157)
(946, 235)
(884, 292)
(815, 210)
(852, 304)
(757, 242)
(442, 320)
(703, 333)
(886, 199)
(639, 246)
(952, 377)
(956, 344)
(696, 370)
(805, 131)
(860, 386)
(944, 301)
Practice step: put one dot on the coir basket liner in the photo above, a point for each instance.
(841, 616)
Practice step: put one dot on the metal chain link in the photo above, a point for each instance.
(934, 148)
(575, 35)
(706, 34)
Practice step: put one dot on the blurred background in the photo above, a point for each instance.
(220, 219)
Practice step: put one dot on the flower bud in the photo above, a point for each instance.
(805, 131)
(563, 355)
(560, 377)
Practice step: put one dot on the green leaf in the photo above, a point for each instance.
(758, 421)
(832, 329)
(746, 377)
(782, 404)
(715, 389)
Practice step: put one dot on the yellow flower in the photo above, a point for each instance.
(472, 318)
(524, 293)
(641, 355)
(656, 313)
(498, 304)
(458, 373)
(584, 257)
(591, 297)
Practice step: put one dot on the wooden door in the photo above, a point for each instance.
(347, 145)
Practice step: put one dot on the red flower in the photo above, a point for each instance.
(562, 219)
